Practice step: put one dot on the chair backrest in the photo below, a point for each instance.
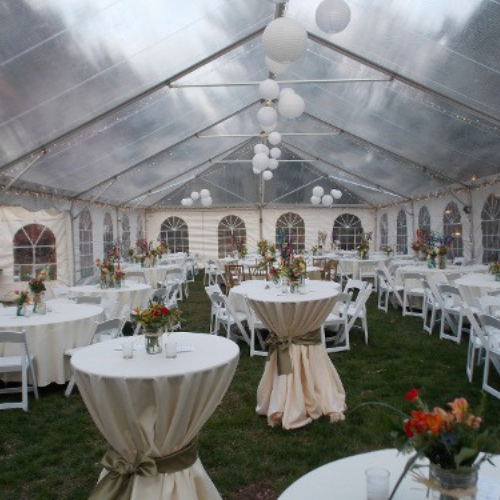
(173, 274)
(13, 337)
(355, 286)
(137, 276)
(330, 269)
(476, 325)
(109, 307)
(111, 327)
(491, 327)
(490, 304)
(213, 289)
(360, 304)
(450, 294)
(235, 274)
(160, 294)
(88, 299)
(341, 304)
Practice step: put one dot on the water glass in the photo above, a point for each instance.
(171, 349)
(128, 349)
(377, 483)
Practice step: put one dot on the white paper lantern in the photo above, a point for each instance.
(204, 193)
(269, 89)
(274, 138)
(195, 195)
(269, 128)
(284, 40)
(275, 153)
(336, 194)
(273, 164)
(188, 202)
(183, 202)
(267, 115)
(267, 175)
(260, 161)
(333, 16)
(276, 67)
(261, 148)
(315, 200)
(318, 191)
(256, 171)
(327, 200)
(206, 202)
(291, 106)
(285, 92)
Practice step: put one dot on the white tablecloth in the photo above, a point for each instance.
(131, 294)
(313, 388)
(437, 274)
(155, 406)
(474, 286)
(68, 325)
(353, 265)
(153, 275)
(345, 478)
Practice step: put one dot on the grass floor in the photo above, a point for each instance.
(53, 451)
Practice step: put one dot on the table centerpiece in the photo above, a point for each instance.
(494, 268)
(452, 440)
(292, 272)
(155, 320)
(363, 247)
(437, 248)
(21, 299)
(38, 288)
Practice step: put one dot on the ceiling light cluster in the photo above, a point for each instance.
(203, 196)
(319, 196)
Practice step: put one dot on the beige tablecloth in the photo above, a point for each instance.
(153, 275)
(155, 406)
(130, 294)
(314, 387)
(67, 325)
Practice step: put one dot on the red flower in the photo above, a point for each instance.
(165, 310)
(411, 395)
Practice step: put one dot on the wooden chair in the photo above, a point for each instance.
(235, 274)
(329, 271)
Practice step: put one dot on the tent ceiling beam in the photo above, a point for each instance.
(379, 188)
(281, 82)
(404, 79)
(226, 190)
(135, 98)
(18, 176)
(199, 166)
(264, 134)
(433, 174)
(147, 161)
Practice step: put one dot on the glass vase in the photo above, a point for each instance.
(20, 310)
(152, 340)
(431, 263)
(442, 262)
(497, 277)
(449, 483)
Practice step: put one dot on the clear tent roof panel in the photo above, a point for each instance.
(95, 60)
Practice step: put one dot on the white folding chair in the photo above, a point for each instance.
(450, 300)
(491, 326)
(210, 276)
(214, 288)
(256, 328)
(339, 319)
(136, 276)
(110, 307)
(357, 311)
(103, 330)
(367, 272)
(60, 291)
(18, 363)
(174, 275)
(228, 318)
(430, 305)
(395, 291)
(478, 341)
(412, 292)
(88, 299)
(490, 304)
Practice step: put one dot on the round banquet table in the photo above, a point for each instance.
(474, 286)
(67, 325)
(312, 388)
(435, 273)
(153, 275)
(130, 294)
(351, 265)
(345, 478)
(155, 406)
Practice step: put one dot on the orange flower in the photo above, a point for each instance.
(459, 408)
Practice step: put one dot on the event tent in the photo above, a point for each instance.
(113, 112)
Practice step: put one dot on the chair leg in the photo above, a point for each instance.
(69, 388)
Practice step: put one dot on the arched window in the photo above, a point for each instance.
(174, 232)
(401, 233)
(34, 250)
(452, 225)
(139, 232)
(348, 230)
(424, 222)
(490, 225)
(86, 245)
(384, 230)
(107, 234)
(125, 234)
(230, 228)
(290, 228)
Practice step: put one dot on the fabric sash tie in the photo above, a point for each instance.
(118, 483)
(282, 347)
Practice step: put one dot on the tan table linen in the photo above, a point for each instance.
(67, 325)
(156, 406)
(130, 294)
(352, 264)
(153, 275)
(314, 387)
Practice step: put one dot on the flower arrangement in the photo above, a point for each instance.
(148, 252)
(263, 246)
(293, 269)
(106, 271)
(37, 285)
(21, 298)
(387, 249)
(118, 274)
(494, 267)
(363, 247)
(438, 245)
(115, 252)
(322, 238)
(451, 439)
(157, 316)
(241, 246)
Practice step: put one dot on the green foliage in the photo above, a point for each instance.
(52, 452)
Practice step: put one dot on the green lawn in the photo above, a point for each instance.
(52, 452)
